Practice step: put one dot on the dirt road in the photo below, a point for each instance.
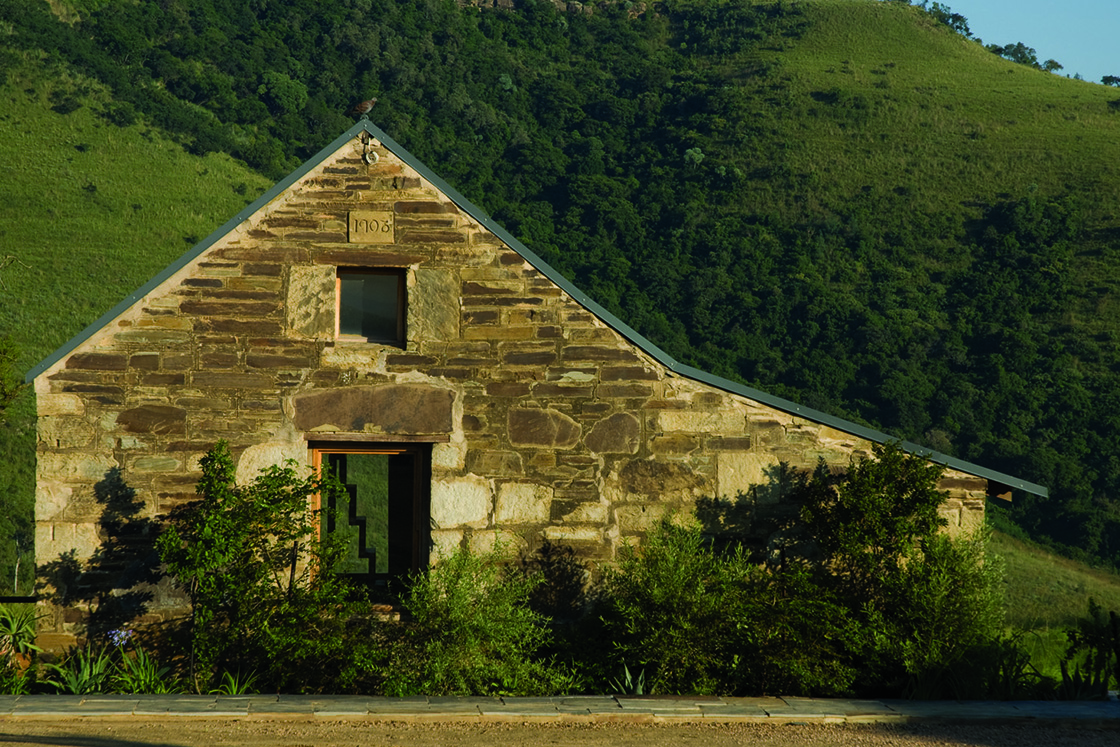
(174, 732)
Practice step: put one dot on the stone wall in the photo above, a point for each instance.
(545, 422)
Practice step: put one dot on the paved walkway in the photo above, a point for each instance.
(577, 708)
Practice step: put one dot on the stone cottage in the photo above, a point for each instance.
(363, 314)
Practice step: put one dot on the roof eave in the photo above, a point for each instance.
(364, 125)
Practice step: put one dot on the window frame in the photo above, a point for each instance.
(402, 304)
(420, 525)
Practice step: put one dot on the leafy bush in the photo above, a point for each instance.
(82, 671)
(560, 590)
(668, 606)
(946, 616)
(264, 597)
(926, 603)
(471, 633)
(1094, 653)
(17, 646)
(700, 621)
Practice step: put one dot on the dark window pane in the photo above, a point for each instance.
(369, 305)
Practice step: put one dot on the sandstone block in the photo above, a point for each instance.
(542, 428)
(261, 456)
(737, 472)
(640, 518)
(449, 456)
(617, 434)
(51, 499)
(728, 422)
(586, 513)
(433, 310)
(390, 408)
(57, 539)
(660, 479)
(444, 543)
(64, 432)
(231, 380)
(155, 464)
(674, 443)
(75, 467)
(523, 503)
(461, 502)
(311, 301)
(98, 361)
(495, 463)
(158, 419)
(60, 404)
(505, 544)
(570, 534)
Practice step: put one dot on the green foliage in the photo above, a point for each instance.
(471, 632)
(560, 581)
(236, 684)
(11, 384)
(923, 600)
(140, 672)
(84, 670)
(628, 684)
(667, 607)
(944, 14)
(17, 630)
(17, 646)
(1094, 654)
(871, 523)
(831, 247)
(698, 621)
(945, 628)
(262, 586)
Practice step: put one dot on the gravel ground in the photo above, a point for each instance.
(250, 733)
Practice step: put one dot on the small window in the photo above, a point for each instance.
(385, 513)
(371, 306)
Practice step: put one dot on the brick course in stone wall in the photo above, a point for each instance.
(545, 422)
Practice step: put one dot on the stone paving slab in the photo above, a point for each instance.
(569, 708)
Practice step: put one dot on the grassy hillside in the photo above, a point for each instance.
(1046, 594)
(88, 212)
(838, 201)
(92, 210)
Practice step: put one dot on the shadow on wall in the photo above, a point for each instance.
(115, 587)
(764, 520)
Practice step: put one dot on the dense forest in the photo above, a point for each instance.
(901, 228)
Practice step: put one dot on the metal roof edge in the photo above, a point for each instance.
(364, 125)
(862, 431)
(528, 254)
(191, 254)
(671, 363)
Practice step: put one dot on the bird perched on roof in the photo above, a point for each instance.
(362, 108)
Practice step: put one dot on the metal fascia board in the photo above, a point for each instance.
(191, 254)
(672, 364)
(862, 431)
(539, 264)
(364, 125)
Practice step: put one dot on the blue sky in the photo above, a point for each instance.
(1083, 35)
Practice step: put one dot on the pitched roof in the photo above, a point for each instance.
(364, 125)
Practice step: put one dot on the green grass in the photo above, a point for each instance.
(1046, 594)
(881, 96)
(89, 211)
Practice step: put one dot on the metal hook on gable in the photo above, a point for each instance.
(368, 156)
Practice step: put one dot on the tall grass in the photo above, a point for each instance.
(89, 211)
(1046, 594)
